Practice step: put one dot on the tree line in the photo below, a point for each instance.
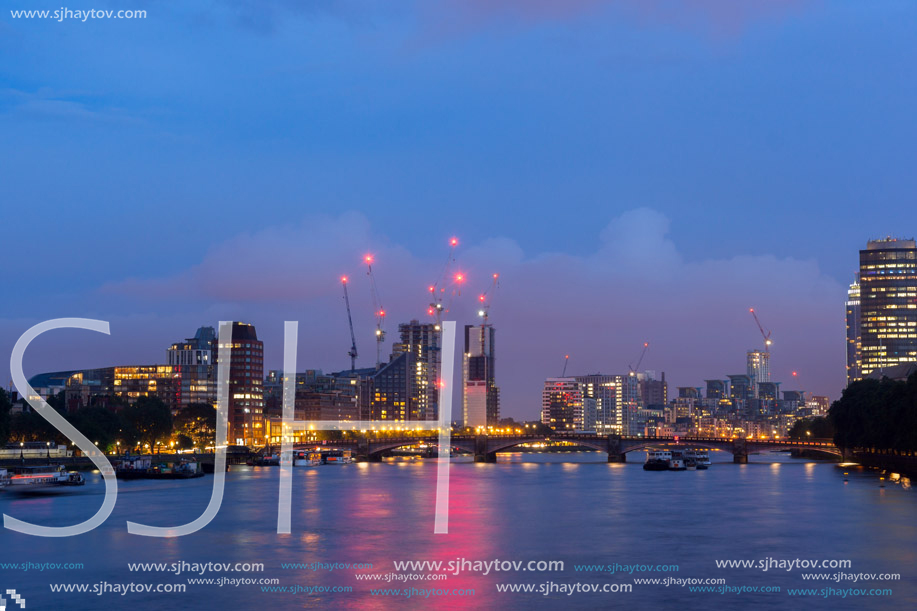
(120, 425)
(880, 414)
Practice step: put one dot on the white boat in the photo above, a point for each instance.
(307, 459)
(701, 458)
(29, 478)
(677, 462)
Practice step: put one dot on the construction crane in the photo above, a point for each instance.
(484, 312)
(566, 360)
(353, 338)
(633, 370)
(378, 310)
(765, 334)
(438, 289)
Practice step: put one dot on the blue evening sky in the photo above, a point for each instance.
(636, 170)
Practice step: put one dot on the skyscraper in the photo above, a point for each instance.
(888, 304)
(194, 356)
(480, 395)
(422, 342)
(406, 387)
(854, 357)
(758, 368)
(246, 385)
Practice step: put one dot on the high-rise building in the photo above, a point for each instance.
(562, 404)
(854, 357)
(888, 304)
(689, 392)
(393, 392)
(768, 390)
(653, 391)
(422, 342)
(740, 388)
(480, 395)
(608, 393)
(194, 356)
(758, 368)
(246, 385)
(716, 389)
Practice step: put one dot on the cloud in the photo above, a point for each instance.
(599, 308)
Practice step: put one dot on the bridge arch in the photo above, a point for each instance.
(627, 447)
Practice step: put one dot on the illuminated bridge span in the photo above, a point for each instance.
(485, 447)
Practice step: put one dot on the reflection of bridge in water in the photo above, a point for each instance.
(485, 447)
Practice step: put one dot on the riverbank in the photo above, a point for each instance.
(893, 463)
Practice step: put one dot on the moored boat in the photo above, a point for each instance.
(657, 460)
(149, 467)
(27, 478)
(337, 457)
(701, 458)
(677, 462)
(306, 459)
(270, 460)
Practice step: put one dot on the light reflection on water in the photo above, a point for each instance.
(574, 507)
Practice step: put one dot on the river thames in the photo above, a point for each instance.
(569, 507)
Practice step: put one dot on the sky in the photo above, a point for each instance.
(635, 171)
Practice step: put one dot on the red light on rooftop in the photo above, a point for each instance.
(460, 277)
(481, 298)
(453, 242)
(795, 374)
(382, 313)
(430, 311)
(368, 258)
(344, 279)
(432, 289)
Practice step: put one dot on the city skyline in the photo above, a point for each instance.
(634, 174)
(605, 352)
(350, 304)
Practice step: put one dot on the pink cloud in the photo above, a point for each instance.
(599, 308)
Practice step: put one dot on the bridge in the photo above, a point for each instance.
(485, 447)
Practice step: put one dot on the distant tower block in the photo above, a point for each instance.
(481, 397)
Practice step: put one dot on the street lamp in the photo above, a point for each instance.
(21, 457)
(49, 449)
